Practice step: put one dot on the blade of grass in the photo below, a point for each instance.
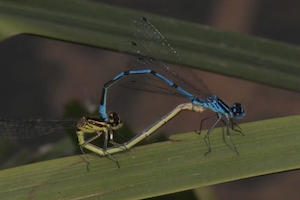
(205, 48)
(269, 146)
(24, 156)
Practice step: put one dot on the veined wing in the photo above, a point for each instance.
(151, 45)
(22, 128)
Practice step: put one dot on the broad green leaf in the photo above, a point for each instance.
(202, 47)
(269, 146)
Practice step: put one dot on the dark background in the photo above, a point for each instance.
(38, 76)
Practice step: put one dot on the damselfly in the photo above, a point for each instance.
(21, 128)
(151, 46)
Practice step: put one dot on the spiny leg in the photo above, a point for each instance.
(228, 136)
(86, 159)
(111, 141)
(233, 125)
(117, 144)
(199, 132)
(105, 149)
(206, 138)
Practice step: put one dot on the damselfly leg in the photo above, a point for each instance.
(228, 123)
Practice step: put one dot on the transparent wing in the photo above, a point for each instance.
(141, 59)
(151, 45)
(19, 128)
(143, 86)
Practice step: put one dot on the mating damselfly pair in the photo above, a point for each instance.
(158, 77)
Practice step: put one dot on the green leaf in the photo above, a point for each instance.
(202, 47)
(269, 146)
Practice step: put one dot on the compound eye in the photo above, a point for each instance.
(115, 120)
(238, 110)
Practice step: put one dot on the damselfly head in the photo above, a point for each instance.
(238, 111)
(115, 120)
(81, 122)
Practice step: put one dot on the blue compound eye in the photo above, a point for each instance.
(238, 111)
